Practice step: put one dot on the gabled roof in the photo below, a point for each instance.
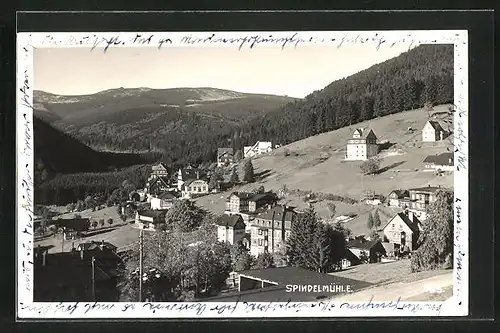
(278, 212)
(261, 196)
(94, 245)
(401, 193)
(363, 133)
(230, 221)
(159, 166)
(413, 225)
(192, 173)
(436, 125)
(361, 244)
(441, 159)
(242, 195)
(163, 179)
(428, 189)
(224, 151)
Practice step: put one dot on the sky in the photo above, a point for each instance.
(263, 69)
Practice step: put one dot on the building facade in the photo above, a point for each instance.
(441, 162)
(149, 219)
(259, 148)
(403, 229)
(230, 229)
(270, 229)
(433, 132)
(362, 146)
(225, 157)
(194, 187)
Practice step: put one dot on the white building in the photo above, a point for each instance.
(260, 147)
(230, 229)
(362, 146)
(433, 132)
(441, 162)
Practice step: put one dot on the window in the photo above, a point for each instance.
(393, 225)
(260, 232)
(260, 242)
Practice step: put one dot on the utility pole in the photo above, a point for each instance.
(93, 278)
(141, 236)
(62, 241)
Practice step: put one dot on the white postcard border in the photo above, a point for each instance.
(103, 42)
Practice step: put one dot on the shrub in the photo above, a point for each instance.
(110, 221)
(101, 222)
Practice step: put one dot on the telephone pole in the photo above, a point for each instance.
(93, 278)
(141, 236)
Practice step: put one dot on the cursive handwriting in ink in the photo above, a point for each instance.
(98, 307)
(139, 39)
(458, 210)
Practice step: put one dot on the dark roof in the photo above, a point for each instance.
(413, 225)
(362, 244)
(68, 268)
(278, 214)
(164, 179)
(401, 193)
(192, 173)
(93, 245)
(242, 195)
(441, 159)
(436, 125)
(428, 189)
(295, 275)
(73, 224)
(230, 220)
(151, 213)
(364, 132)
(262, 196)
(223, 151)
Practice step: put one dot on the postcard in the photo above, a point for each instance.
(242, 174)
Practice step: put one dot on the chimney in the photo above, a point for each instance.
(410, 216)
(81, 253)
(44, 257)
(429, 185)
(72, 246)
(102, 245)
(197, 175)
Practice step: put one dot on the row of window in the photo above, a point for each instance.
(198, 188)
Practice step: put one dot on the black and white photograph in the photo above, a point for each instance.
(242, 168)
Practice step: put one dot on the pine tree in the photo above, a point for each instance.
(235, 179)
(248, 172)
(370, 222)
(437, 237)
(376, 220)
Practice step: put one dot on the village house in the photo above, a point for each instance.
(86, 274)
(164, 201)
(433, 131)
(270, 229)
(158, 181)
(187, 174)
(441, 162)
(194, 187)
(230, 229)
(259, 148)
(225, 157)
(156, 186)
(138, 195)
(403, 229)
(93, 245)
(72, 228)
(365, 251)
(150, 219)
(238, 202)
(362, 146)
(397, 197)
(246, 202)
(261, 200)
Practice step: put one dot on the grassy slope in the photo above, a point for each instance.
(335, 176)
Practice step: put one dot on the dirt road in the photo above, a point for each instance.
(407, 291)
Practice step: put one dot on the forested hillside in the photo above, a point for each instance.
(424, 74)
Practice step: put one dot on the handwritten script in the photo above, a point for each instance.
(77, 309)
(249, 41)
